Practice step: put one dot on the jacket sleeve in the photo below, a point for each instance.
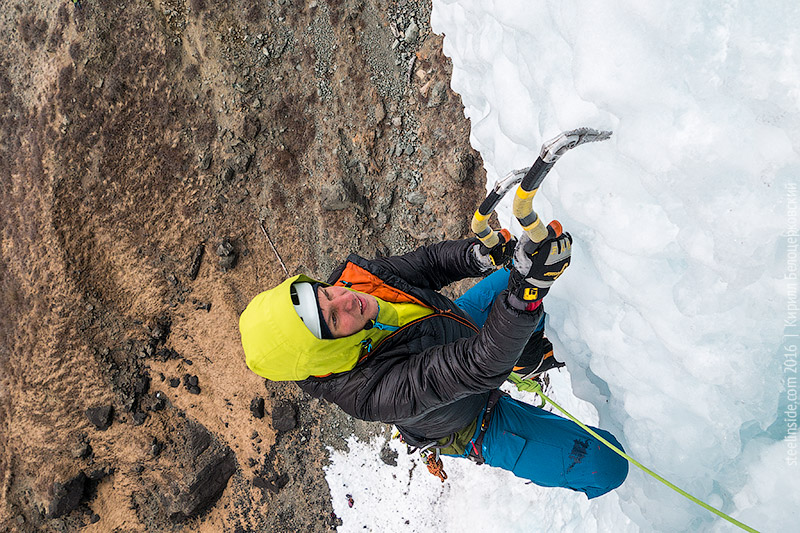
(405, 387)
(436, 265)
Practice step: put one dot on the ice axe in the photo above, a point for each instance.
(529, 180)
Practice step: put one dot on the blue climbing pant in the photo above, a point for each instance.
(551, 451)
(535, 444)
(478, 300)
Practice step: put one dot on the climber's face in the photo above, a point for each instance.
(345, 311)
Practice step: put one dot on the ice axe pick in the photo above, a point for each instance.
(529, 180)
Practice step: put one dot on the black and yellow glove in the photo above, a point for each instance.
(537, 266)
(497, 256)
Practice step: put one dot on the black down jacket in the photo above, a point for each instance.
(433, 376)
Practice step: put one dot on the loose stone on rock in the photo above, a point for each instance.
(257, 407)
(161, 402)
(191, 384)
(66, 496)
(142, 384)
(99, 473)
(224, 248)
(227, 255)
(82, 449)
(205, 162)
(273, 484)
(188, 493)
(438, 94)
(380, 112)
(159, 331)
(416, 198)
(388, 455)
(412, 32)
(165, 354)
(155, 447)
(241, 163)
(197, 259)
(461, 167)
(101, 416)
(335, 198)
(227, 174)
(139, 417)
(252, 127)
(284, 416)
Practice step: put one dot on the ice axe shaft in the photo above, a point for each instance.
(529, 181)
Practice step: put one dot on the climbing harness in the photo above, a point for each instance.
(475, 446)
(537, 389)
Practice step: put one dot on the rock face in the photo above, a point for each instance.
(135, 139)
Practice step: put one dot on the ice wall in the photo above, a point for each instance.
(673, 315)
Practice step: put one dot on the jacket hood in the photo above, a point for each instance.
(278, 345)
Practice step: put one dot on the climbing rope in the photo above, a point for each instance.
(537, 388)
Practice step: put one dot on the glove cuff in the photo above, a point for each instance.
(522, 305)
(482, 260)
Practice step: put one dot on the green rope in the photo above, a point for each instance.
(537, 388)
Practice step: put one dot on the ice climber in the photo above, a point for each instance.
(380, 341)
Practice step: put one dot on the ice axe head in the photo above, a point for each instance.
(533, 177)
(567, 140)
(551, 151)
